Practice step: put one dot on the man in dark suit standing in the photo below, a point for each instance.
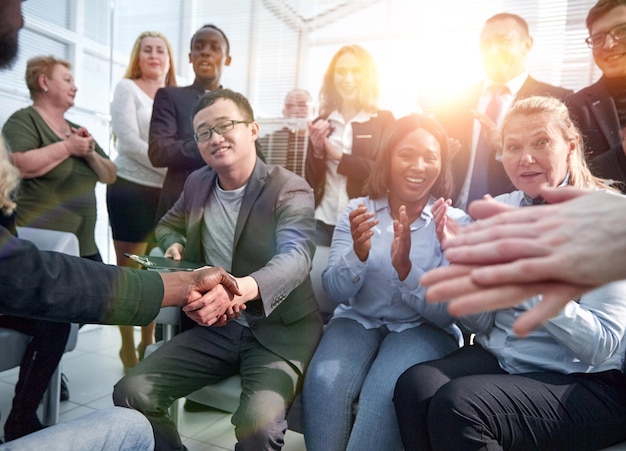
(600, 109)
(257, 221)
(505, 42)
(171, 143)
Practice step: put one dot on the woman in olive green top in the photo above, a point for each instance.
(59, 161)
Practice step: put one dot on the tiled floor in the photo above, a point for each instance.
(94, 367)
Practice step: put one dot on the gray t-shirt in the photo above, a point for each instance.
(218, 228)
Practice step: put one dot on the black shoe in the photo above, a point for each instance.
(64, 393)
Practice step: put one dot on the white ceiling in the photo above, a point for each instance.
(303, 14)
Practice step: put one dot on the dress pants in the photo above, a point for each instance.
(205, 355)
(465, 401)
(39, 362)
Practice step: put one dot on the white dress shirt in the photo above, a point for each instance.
(335, 198)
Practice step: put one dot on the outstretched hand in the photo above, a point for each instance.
(209, 287)
(557, 250)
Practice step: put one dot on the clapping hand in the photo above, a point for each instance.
(401, 244)
(510, 255)
(445, 226)
(361, 224)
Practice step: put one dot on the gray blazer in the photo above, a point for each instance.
(273, 243)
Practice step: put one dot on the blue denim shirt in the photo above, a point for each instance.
(370, 292)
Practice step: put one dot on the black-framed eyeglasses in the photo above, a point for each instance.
(597, 40)
(221, 128)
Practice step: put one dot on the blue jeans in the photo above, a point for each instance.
(353, 363)
(109, 429)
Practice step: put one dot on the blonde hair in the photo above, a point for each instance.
(41, 65)
(368, 90)
(134, 72)
(9, 180)
(579, 174)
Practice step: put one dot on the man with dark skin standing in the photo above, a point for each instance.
(171, 141)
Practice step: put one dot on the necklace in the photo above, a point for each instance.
(62, 131)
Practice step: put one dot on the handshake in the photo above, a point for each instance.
(210, 295)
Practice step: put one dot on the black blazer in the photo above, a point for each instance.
(594, 111)
(458, 121)
(171, 143)
(357, 166)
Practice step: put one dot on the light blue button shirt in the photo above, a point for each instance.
(370, 292)
(586, 336)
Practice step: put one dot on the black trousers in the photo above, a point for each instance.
(38, 364)
(465, 401)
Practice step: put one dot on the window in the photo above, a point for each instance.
(424, 49)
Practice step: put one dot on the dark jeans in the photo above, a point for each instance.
(465, 401)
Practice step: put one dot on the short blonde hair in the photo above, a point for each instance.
(134, 72)
(9, 180)
(368, 90)
(41, 65)
(579, 174)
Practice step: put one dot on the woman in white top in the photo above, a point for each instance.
(345, 137)
(132, 200)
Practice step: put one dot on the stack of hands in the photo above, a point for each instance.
(560, 251)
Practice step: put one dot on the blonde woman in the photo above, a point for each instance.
(59, 161)
(344, 138)
(132, 200)
(9, 179)
(45, 349)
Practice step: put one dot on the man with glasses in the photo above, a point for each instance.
(600, 109)
(257, 221)
(505, 43)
